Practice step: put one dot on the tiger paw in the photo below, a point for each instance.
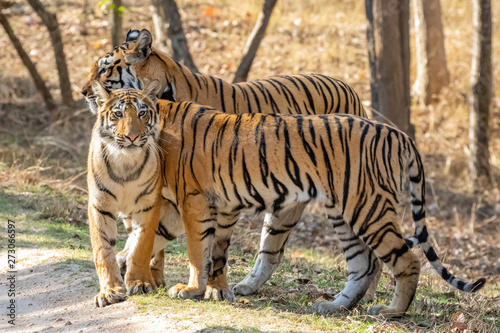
(385, 311)
(244, 289)
(219, 294)
(158, 278)
(110, 296)
(139, 286)
(183, 291)
(323, 306)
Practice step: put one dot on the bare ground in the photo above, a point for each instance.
(56, 295)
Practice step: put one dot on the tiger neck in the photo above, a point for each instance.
(123, 162)
(189, 86)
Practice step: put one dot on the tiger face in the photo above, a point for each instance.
(130, 66)
(112, 72)
(127, 118)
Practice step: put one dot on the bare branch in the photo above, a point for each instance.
(253, 41)
(176, 34)
(480, 98)
(432, 69)
(116, 23)
(388, 39)
(40, 84)
(50, 21)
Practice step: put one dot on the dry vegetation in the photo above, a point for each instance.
(303, 36)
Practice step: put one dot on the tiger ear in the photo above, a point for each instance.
(152, 90)
(132, 35)
(142, 48)
(101, 94)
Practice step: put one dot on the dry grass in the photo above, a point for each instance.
(303, 36)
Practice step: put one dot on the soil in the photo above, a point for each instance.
(55, 294)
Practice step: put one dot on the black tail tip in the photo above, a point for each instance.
(478, 285)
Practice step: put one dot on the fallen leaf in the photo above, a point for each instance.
(458, 317)
(209, 12)
(459, 327)
(297, 255)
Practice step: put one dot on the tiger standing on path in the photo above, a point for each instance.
(355, 166)
(124, 177)
(135, 62)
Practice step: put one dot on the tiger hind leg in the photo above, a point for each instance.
(275, 232)
(391, 248)
(363, 265)
(157, 266)
(370, 293)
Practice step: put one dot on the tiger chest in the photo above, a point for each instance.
(129, 188)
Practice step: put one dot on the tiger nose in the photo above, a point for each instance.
(132, 137)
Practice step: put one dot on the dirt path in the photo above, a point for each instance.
(55, 294)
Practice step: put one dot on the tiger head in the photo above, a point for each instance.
(127, 118)
(127, 66)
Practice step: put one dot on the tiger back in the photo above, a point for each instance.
(135, 63)
(218, 166)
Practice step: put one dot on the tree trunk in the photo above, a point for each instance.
(50, 21)
(253, 41)
(176, 34)
(480, 98)
(432, 69)
(388, 39)
(161, 27)
(40, 84)
(116, 22)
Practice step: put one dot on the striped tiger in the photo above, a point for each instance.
(355, 166)
(135, 62)
(124, 177)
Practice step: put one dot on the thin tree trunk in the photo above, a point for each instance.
(480, 98)
(176, 34)
(50, 21)
(432, 69)
(253, 41)
(116, 23)
(389, 57)
(39, 83)
(161, 27)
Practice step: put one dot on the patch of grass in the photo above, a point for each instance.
(285, 301)
(282, 304)
(44, 218)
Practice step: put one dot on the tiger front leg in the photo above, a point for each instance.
(218, 287)
(200, 222)
(138, 277)
(103, 233)
(170, 228)
(121, 257)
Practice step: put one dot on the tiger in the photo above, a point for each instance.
(133, 63)
(124, 177)
(217, 165)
